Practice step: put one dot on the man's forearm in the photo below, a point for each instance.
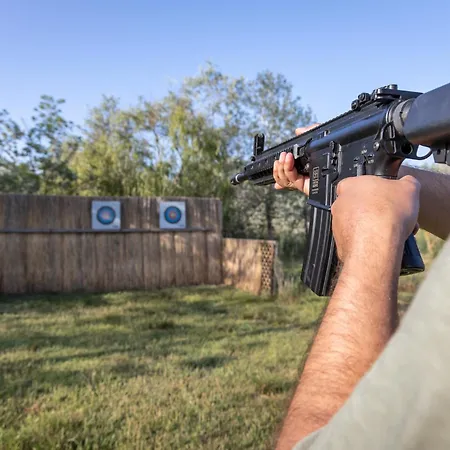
(360, 318)
(434, 215)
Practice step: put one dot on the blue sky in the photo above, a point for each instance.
(329, 50)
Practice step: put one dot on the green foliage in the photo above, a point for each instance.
(178, 368)
(15, 176)
(36, 159)
(291, 246)
(50, 147)
(18, 178)
(111, 159)
(161, 148)
(189, 152)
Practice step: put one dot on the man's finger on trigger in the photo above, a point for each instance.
(277, 186)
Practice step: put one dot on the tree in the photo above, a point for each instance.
(187, 151)
(272, 107)
(50, 146)
(160, 148)
(111, 160)
(243, 108)
(36, 159)
(15, 176)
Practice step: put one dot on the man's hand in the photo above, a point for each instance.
(373, 209)
(284, 172)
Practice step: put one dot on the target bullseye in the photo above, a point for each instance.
(172, 215)
(106, 215)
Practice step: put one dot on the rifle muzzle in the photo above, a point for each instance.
(238, 179)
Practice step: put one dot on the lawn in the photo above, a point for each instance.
(195, 368)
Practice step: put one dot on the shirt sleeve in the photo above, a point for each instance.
(403, 400)
(308, 442)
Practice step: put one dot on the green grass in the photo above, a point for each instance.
(209, 368)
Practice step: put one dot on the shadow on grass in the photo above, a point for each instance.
(50, 303)
(172, 300)
(37, 380)
(141, 336)
(207, 362)
(135, 338)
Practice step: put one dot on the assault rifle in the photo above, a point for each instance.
(381, 130)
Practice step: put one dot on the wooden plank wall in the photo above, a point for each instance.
(247, 264)
(47, 245)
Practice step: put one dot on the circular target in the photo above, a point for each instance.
(172, 214)
(106, 215)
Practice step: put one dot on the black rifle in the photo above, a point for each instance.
(380, 131)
